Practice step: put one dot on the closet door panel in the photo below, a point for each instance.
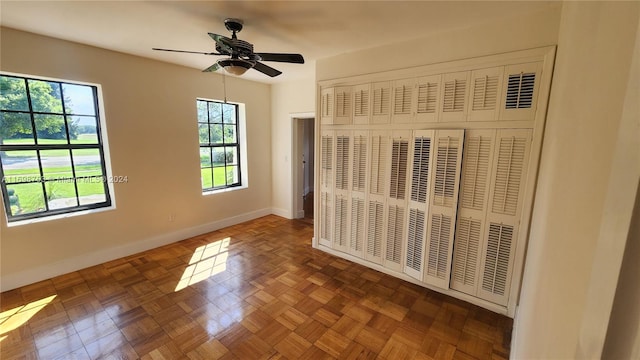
(421, 156)
(443, 206)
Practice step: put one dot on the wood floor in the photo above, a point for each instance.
(254, 290)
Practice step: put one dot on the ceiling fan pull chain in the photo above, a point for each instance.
(224, 86)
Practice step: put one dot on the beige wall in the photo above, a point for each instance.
(151, 122)
(586, 187)
(511, 34)
(287, 99)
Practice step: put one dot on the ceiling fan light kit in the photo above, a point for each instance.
(235, 66)
(240, 54)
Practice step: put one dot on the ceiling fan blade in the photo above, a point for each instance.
(289, 58)
(267, 70)
(224, 42)
(212, 68)
(190, 52)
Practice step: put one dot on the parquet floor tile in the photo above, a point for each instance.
(255, 290)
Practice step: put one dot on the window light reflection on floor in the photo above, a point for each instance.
(18, 316)
(208, 260)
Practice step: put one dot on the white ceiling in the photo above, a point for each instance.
(316, 29)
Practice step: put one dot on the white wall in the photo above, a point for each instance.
(586, 187)
(153, 137)
(287, 99)
(309, 152)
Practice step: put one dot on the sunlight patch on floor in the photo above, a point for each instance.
(18, 316)
(207, 261)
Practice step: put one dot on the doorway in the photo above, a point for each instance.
(303, 164)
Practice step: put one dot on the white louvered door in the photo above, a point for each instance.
(403, 101)
(326, 187)
(377, 195)
(443, 206)
(326, 105)
(341, 190)
(358, 192)
(510, 165)
(397, 201)
(361, 104)
(427, 98)
(520, 95)
(343, 105)
(421, 163)
(472, 205)
(454, 95)
(380, 102)
(485, 94)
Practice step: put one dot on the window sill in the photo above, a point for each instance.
(59, 216)
(219, 191)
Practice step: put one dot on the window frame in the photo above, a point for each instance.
(100, 145)
(210, 146)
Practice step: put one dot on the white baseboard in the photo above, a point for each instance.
(30, 276)
(282, 212)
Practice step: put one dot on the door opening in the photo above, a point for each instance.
(303, 164)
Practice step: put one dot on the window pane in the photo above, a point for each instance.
(91, 191)
(56, 164)
(20, 166)
(206, 177)
(229, 113)
(82, 129)
(50, 129)
(218, 156)
(61, 194)
(219, 177)
(13, 94)
(26, 198)
(215, 112)
(45, 96)
(232, 155)
(229, 134)
(87, 162)
(205, 157)
(15, 128)
(78, 99)
(232, 175)
(216, 134)
(203, 130)
(202, 111)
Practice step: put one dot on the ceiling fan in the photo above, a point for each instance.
(240, 53)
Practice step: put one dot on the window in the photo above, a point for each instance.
(51, 150)
(219, 145)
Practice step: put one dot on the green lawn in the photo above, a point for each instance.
(218, 177)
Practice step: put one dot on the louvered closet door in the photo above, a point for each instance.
(421, 163)
(343, 105)
(444, 203)
(361, 104)
(510, 165)
(397, 201)
(403, 101)
(380, 102)
(326, 105)
(454, 95)
(341, 191)
(326, 187)
(377, 195)
(357, 218)
(484, 100)
(472, 205)
(427, 99)
(520, 95)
